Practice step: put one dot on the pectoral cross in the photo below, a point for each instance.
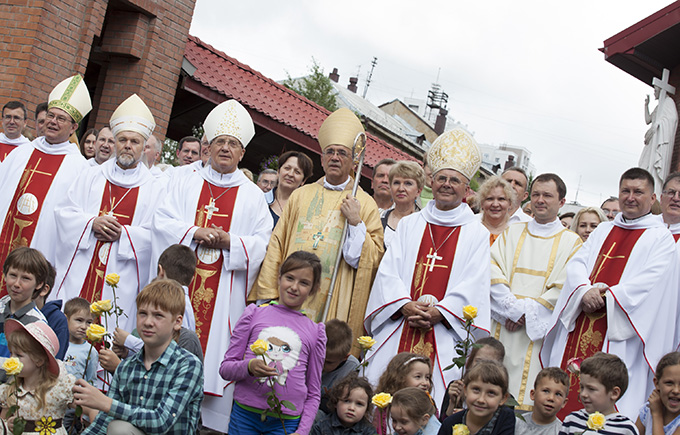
(317, 238)
(433, 257)
(606, 257)
(211, 208)
(112, 214)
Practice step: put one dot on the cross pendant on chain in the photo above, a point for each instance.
(211, 208)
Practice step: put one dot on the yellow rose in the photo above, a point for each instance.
(112, 279)
(366, 342)
(100, 307)
(460, 429)
(381, 400)
(469, 312)
(260, 347)
(12, 366)
(596, 421)
(95, 333)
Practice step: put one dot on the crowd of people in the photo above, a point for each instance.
(141, 298)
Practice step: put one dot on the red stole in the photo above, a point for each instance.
(26, 205)
(5, 149)
(676, 237)
(204, 286)
(590, 329)
(124, 212)
(430, 277)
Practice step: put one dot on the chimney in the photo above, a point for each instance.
(353, 84)
(334, 76)
(440, 123)
(510, 163)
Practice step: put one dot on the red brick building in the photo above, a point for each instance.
(120, 47)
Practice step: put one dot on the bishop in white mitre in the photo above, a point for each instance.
(528, 269)
(223, 216)
(35, 177)
(438, 262)
(104, 222)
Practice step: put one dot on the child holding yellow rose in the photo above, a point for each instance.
(603, 379)
(45, 387)
(275, 347)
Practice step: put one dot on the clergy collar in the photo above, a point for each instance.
(57, 149)
(545, 230)
(460, 215)
(18, 141)
(236, 178)
(673, 228)
(126, 178)
(647, 221)
(340, 187)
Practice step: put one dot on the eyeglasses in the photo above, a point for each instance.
(341, 153)
(61, 119)
(230, 142)
(671, 192)
(453, 180)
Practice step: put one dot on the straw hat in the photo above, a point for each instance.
(43, 334)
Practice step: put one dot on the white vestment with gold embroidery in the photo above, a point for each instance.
(528, 269)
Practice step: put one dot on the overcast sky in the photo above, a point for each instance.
(525, 73)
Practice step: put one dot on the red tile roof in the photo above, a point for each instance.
(233, 79)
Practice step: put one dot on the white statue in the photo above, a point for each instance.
(660, 138)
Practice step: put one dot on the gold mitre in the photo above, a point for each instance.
(455, 149)
(132, 115)
(71, 96)
(340, 128)
(231, 118)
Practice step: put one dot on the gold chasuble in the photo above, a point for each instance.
(312, 222)
(119, 202)
(215, 206)
(590, 329)
(430, 280)
(24, 211)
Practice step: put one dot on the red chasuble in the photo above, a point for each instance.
(5, 149)
(588, 335)
(203, 288)
(24, 210)
(123, 204)
(430, 277)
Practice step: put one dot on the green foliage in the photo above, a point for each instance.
(315, 87)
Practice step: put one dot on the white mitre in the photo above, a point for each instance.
(132, 115)
(71, 96)
(231, 118)
(455, 149)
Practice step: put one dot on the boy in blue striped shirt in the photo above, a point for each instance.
(604, 379)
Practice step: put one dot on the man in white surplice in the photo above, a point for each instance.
(224, 216)
(104, 223)
(620, 295)
(438, 263)
(528, 269)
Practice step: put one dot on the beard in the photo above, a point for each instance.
(126, 161)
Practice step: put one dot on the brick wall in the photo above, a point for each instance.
(139, 46)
